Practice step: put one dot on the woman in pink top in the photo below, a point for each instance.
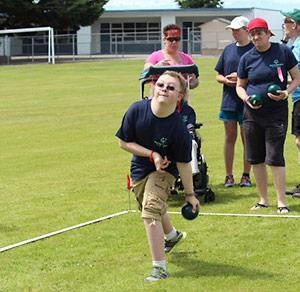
(170, 54)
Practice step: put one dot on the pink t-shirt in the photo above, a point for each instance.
(157, 56)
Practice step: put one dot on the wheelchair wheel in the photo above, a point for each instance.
(209, 196)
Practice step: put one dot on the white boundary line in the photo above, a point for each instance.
(243, 215)
(3, 249)
(233, 214)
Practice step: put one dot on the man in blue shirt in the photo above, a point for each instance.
(291, 25)
(153, 131)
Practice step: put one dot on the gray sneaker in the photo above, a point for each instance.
(157, 273)
(169, 244)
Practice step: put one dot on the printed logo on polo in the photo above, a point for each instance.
(276, 63)
(162, 143)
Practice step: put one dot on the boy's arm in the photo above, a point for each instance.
(185, 171)
(135, 148)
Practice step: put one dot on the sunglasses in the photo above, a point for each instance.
(161, 85)
(173, 39)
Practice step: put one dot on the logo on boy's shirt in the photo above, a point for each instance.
(162, 143)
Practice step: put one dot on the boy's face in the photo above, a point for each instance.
(167, 90)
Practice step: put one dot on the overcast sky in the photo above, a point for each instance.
(284, 5)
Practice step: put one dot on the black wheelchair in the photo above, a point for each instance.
(201, 178)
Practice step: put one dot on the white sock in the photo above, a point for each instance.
(161, 264)
(171, 234)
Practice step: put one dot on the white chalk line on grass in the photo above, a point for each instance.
(3, 249)
(61, 231)
(244, 215)
(233, 214)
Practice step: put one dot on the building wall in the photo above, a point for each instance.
(108, 35)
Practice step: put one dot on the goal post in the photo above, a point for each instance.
(51, 53)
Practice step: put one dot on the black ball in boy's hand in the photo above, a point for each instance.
(256, 99)
(187, 212)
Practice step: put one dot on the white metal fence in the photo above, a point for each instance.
(34, 48)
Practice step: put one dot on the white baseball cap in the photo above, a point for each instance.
(238, 22)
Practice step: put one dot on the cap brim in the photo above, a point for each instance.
(233, 27)
(287, 14)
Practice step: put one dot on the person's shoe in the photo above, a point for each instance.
(258, 206)
(169, 244)
(157, 273)
(283, 210)
(229, 181)
(245, 181)
(295, 190)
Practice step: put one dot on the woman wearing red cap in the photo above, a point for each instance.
(265, 125)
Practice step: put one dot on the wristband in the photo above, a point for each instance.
(151, 157)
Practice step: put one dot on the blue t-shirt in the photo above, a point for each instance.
(228, 63)
(166, 136)
(295, 47)
(263, 69)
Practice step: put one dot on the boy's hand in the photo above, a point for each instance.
(193, 201)
(159, 162)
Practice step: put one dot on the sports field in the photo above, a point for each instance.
(60, 165)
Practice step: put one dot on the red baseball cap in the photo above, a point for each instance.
(258, 23)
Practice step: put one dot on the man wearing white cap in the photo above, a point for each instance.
(231, 112)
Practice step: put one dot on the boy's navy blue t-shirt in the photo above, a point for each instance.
(263, 69)
(166, 136)
(228, 63)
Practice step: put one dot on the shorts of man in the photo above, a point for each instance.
(152, 194)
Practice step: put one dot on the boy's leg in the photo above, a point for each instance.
(172, 236)
(155, 235)
(154, 207)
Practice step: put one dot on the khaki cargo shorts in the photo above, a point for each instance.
(152, 194)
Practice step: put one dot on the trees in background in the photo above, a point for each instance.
(200, 3)
(59, 14)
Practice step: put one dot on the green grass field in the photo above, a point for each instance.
(60, 165)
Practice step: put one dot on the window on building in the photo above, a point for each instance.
(154, 31)
(141, 31)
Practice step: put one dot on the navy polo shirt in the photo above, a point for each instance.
(166, 136)
(262, 69)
